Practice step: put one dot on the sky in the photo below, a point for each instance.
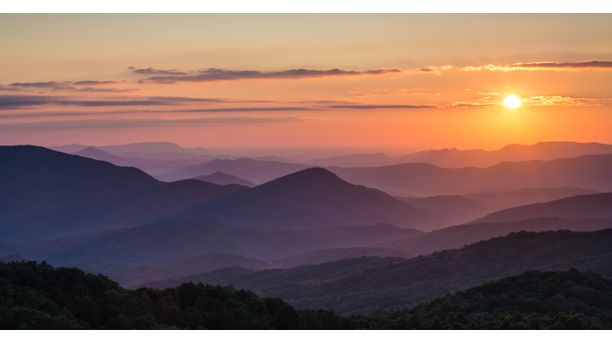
(368, 82)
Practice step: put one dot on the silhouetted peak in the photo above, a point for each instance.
(90, 150)
(314, 174)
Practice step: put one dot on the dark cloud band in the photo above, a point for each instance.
(214, 74)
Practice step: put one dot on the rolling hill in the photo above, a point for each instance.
(451, 209)
(138, 254)
(365, 284)
(455, 237)
(533, 300)
(595, 206)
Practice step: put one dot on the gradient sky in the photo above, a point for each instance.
(372, 82)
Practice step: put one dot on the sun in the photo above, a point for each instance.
(512, 102)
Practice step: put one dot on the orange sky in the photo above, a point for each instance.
(373, 82)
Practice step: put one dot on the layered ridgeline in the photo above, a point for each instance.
(137, 254)
(262, 170)
(424, 179)
(364, 284)
(579, 213)
(170, 250)
(38, 296)
(47, 194)
(428, 173)
(453, 157)
(421, 179)
(224, 179)
(311, 198)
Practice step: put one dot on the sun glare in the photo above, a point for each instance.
(512, 102)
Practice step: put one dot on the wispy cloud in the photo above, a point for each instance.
(380, 106)
(215, 74)
(561, 101)
(138, 123)
(93, 82)
(79, 86)
(52, 85)
(495, 99)
(17, 101)
(106, 90)
(251, 109)
(154, 71)
(542, 66)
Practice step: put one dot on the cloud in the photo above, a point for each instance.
(93, 82)
(153, 71)
(68, 85)
(106, 90)
(560, 101)
(250, 109)
(17, 101)
(529, 66)
(471, 104)
(381, 106)
(53, 85)
(138, 123)
(214, 74)
(193, 100)
(495, 99)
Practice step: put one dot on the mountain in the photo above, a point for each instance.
(455, 237)
(148, 160)
(451, 209)
(138, 254)
(532, 300)
(364, 284)
(333, 254)
(595, 206)
(257, 171)
(98, 154)
(308, 199)
(147, 148)
(69, 148)
(579, 213)
(48, 194)
(420, 179)
(523, 196)
(454, 158)
(354, 160)
(225, 179)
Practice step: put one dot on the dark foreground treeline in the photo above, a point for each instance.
(38, 296)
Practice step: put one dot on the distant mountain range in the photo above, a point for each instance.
(364, 284)
(594, 206)
(453, 158)
(422, 179)
(225, 179)
(257, 171)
